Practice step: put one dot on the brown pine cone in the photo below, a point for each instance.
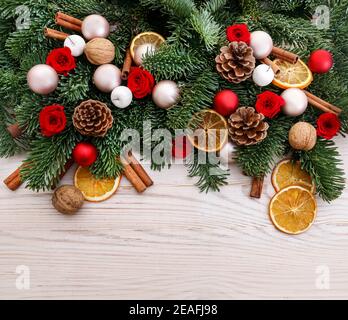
(236, 62)
(247, 127)
(92, 118)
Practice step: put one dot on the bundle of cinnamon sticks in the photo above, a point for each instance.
(135, 173)
(322, 104)
(68, 22)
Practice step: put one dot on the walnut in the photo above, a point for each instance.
(67, 199)
(302, 136)
(100, 51)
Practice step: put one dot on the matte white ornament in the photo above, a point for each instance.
(76, 44)
(261, 43)
(121, 97)
(165, 94)
(143, 50)
(107, 77)
(95, 26)
(296, 102)
(42, 79)
(263, 75)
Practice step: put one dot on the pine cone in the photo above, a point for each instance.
(236, 62)
(92, 118)
(247, 127)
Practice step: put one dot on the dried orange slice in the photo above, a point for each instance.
(289, 173)
(291, 75)
(208, 131)
(95, 190)
(145, 38)
(293, 210)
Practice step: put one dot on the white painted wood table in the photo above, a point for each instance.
(170, 243)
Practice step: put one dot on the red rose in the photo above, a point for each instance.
(52, 120)
(269, 104)
(140, 82)
(61, 60)
(238, 32)
(328, 124)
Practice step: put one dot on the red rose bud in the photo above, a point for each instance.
(140, 82)
(61, 60)
(269, 104)
(52, 120)
(238, 32)
(328, 125)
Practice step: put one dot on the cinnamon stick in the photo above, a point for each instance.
(270, 63)
(256, 187)
(68, 22)
(322, 104)
(14, 181)
(14, 130)
(132, 176)
(126, 65)
(63, 16)
(55, 34)
(140, 171)
(285, 55)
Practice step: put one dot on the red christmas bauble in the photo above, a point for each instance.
(320, 61)
(181, 148)
(85, 154)
(226, 102)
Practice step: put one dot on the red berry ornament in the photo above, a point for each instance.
(181, 148)
(85, 154)
(320, 61)
(226, 102)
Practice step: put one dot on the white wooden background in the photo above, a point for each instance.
(170, 243)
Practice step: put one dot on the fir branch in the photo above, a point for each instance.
(75, 87)
(206, 27)
(258, 160)
(210, 175)
(47, 159)
(178, 8)
(324, 166)
(214, 6)
(173, 62)
(197, 95)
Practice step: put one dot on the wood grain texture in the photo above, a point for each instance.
(172, 242)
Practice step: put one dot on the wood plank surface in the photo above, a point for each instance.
(170, 243)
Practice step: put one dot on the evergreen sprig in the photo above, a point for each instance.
(259, 160)
(325, 167)
(211, 176)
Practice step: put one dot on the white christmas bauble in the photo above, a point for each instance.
(143, 50)
(261, 43)
(95, 26)
(296, 102)
(263, 75)
(42, 79)
(121, 97)
(165, 94)
(107, 77)
(76, 44)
